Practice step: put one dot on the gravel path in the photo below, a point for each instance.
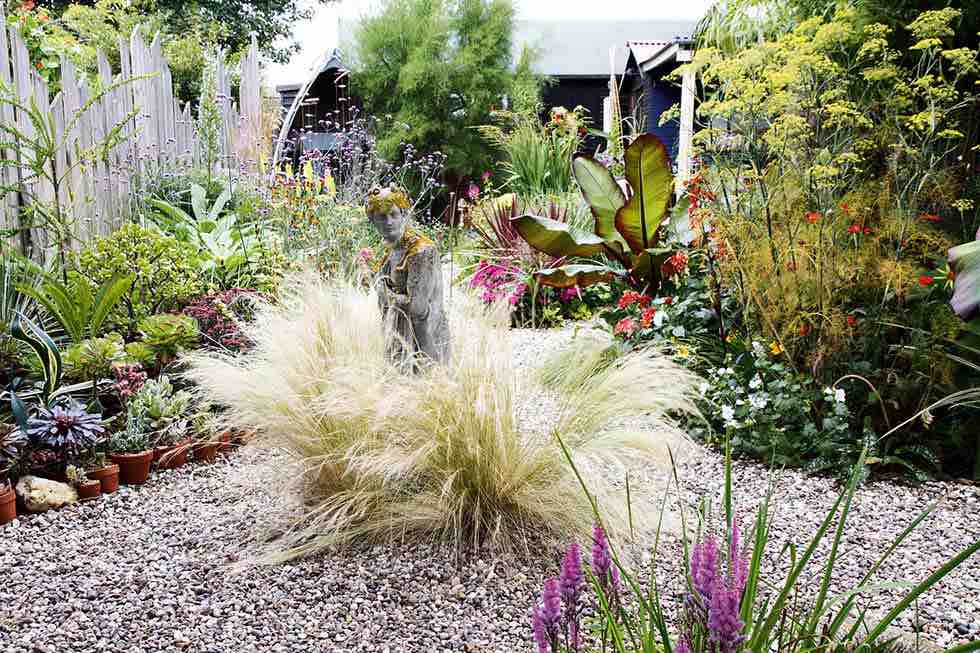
(151, 569)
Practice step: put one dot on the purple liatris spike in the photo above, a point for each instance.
(541, 637)
(571, 575)
(704, 566)
(551, 603)
(601, 557)
(724, 622)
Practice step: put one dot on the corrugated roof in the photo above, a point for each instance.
(581, 47)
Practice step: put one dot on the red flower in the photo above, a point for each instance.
(812, 217)
(845, 207)
(629, 298)
(625, 326)
(805, 329)
(644, 300)
(925, 280)
(39, 65)
(854, 229)
(868, 231)
(668, 300)
(646, 317)
(851, 321)
(930, 217)
(674, 264)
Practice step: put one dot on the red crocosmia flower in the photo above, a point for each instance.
(868, 231)
(674, 264)
(854, 229)
(626, 326)
(646, 317)
(644, 300)
(629, 298)
(845, 207)
(812, 217)
(852, 321)
(930, 217)
(668, 300)
(805, 329)
(925, 280)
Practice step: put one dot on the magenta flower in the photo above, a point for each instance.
(547, 616)
(704, 566)
(472, 192)
(602, 562)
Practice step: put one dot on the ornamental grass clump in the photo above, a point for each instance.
(435, 456)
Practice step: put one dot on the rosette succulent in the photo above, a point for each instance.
(12, 441)
(65, 427)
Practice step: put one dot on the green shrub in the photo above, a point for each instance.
(164, 271)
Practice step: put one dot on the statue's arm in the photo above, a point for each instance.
(421, 280)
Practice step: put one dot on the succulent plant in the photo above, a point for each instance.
(133, 438)
(161, 409)
(12, 440)
(92, 359)
(168, 334)
(65, 427)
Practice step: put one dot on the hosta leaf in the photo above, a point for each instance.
(557, 238)
(603, 194)
(580, 275)
(648, 172)
(965, 260)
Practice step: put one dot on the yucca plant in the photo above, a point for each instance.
(630, 226)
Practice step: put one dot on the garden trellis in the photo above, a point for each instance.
(154, 133)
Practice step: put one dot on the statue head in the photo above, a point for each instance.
(388, 210)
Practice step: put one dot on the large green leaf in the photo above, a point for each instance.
(27, 331)
(580, 275)
(603, 194)
(965, 260)
(557, 238)
(648, 172)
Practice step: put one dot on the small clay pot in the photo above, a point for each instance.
(8, 504)
(89, 490)
(108, 478)
(174, 456)
(134, 468)
(224, 441)
(206, 452)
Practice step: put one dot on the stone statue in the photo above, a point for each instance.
(409, 284)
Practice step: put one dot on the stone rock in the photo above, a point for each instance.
(40, 494)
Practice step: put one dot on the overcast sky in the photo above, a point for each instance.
(320, 34)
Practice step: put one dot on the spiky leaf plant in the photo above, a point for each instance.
(438, 455)
(629, 226)
(65, 427)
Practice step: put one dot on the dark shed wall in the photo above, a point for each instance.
(661, 96)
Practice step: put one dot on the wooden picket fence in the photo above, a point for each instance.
(159, 136)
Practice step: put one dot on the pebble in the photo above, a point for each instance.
(154, 568)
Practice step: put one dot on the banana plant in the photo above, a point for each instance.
(965, 261)
(629, 228)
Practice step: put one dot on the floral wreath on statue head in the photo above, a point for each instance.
(382, 200)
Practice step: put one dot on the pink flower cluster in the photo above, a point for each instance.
(498, 282)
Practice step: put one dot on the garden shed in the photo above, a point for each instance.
(312, 108)
(580, 56)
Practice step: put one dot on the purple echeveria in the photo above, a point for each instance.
(547, 616)
(66, 427)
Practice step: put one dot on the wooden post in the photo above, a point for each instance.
(686, 130)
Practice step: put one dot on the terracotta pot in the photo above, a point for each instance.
(174, 456)
(134, 468)
(108, 478)
(206, 452)
(8, 504)
(224, 441)
(89, 490)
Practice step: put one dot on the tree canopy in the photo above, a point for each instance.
(438, 67)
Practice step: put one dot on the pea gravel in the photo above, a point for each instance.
(154, 568)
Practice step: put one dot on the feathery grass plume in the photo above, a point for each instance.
(439, 455)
